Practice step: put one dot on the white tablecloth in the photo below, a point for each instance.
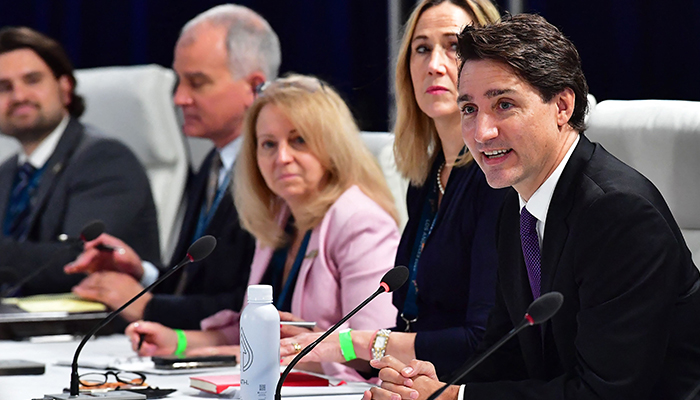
(117, 346)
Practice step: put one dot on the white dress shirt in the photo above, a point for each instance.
(539, 201)
(45, 149)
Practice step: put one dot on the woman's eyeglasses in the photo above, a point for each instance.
(93, 379)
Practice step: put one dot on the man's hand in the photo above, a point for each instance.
(114, 289)
(122, 259)
(416, 380)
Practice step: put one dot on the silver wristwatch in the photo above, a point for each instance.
(380, 343)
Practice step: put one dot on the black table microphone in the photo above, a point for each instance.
(197, 251)
(538, 312)
(392, 280)
(89, 232)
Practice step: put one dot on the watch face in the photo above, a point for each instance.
(380, 342)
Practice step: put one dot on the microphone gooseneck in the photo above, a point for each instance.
(89, 232)
(392, 280)
(197, 251)
(538, 312)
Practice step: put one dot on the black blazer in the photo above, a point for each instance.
(456, 288)
(87, 177)
(629, 327)
(216, 283)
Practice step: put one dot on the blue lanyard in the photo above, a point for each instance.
(427, 222)
(277, 263)
(206, 217)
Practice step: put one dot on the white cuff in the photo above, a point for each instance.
(150, 273)
(460, 395)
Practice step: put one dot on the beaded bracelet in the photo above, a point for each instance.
(181, 342)
(346, 346)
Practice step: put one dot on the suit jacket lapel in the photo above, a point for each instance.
(557, 228)
(563, 198)
(312, 251)
(221, 218)
(224, 216)
(8, 170)
(196, 188)
(54, 167)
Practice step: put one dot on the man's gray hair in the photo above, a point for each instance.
(251, 43)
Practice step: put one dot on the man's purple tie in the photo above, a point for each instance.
(531, 250)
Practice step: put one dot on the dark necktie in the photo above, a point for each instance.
(210, 195)
(531, 250)
(19, 210)
(213, 183)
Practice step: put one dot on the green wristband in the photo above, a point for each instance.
(181, 342)
(346, 346)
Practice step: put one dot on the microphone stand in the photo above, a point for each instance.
(476, 361)
(205, 241)
(307, 349)
(391, 281)
(539, 311)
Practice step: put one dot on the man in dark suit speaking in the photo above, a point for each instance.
(65, 175)
(221, 57)
(579, 222)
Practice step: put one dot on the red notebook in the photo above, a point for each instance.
(218, 383)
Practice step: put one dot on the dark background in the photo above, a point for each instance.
(631, 49)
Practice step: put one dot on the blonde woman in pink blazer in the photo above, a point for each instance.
(315, 199)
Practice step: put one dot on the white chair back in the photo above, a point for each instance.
(134, 104)
(381, 144)
(660, 139)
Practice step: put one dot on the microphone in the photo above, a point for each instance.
(538, 312)
(392, 280)
(95, 229)
(89, 232)
(92, 230)
(197, 251)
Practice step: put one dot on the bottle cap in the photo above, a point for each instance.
(260, 293)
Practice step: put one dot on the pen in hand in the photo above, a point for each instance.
(301, 324)
(105, 247)
(142, 336)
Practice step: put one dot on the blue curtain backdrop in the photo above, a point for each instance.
(630, 48)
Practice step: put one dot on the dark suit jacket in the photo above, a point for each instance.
(216, 283)
(629, 327)
(88, 177)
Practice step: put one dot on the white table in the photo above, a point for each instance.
(118, 346)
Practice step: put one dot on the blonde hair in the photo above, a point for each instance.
(416, 141)
(327, 126)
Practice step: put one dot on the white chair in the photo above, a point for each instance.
(660, 139)
(381, 144)
(134, 104)
(592, 102)
(8, 147)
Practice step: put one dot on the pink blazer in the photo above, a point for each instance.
(348, 253)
